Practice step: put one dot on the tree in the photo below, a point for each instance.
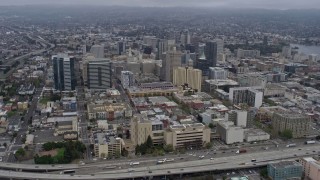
(26, 147)
(5, 144)
(168, 148)
(15, 134)
(103, 155)
(286, 134)
(20, 152)
(264, 173)
(23, 139)
(209, 145)
(211, 126)
(149, 142)
(138, 149)
(124, 152)
(117, 154)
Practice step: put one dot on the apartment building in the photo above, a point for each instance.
(251, 96)
(298, 124)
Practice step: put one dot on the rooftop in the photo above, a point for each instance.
(285, 164)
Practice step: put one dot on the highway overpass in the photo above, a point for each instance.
(205, 165)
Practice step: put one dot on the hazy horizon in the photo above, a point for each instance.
(271, 4)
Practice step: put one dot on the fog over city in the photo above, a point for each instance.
(271, 4)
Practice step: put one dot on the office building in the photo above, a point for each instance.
(250, 96)
(63, 70)
(187, 76)
(203, 64)
(127, 79)
(230, 133)
(211, 53)
(97, 51)
(107, 144)
(121, 47)
(298, 124)
(217, 73)
(187, 136)
(285, 170)
(172, 61)
(98, 74)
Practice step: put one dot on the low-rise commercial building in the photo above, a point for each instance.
(251, 135)
(152, 89)
(230, 133)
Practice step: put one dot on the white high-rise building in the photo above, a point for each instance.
(97, 51)
(217, 73)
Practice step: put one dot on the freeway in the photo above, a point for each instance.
(219, 163)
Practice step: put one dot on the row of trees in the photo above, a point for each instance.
(149, 148)
(68, 151)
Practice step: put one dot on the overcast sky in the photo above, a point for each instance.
(270, 4)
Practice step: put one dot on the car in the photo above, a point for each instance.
(150, 171)
(233, 173)
(295, 154)
(211, 158)
(254, 164)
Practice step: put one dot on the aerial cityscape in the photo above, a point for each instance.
(146, 89)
